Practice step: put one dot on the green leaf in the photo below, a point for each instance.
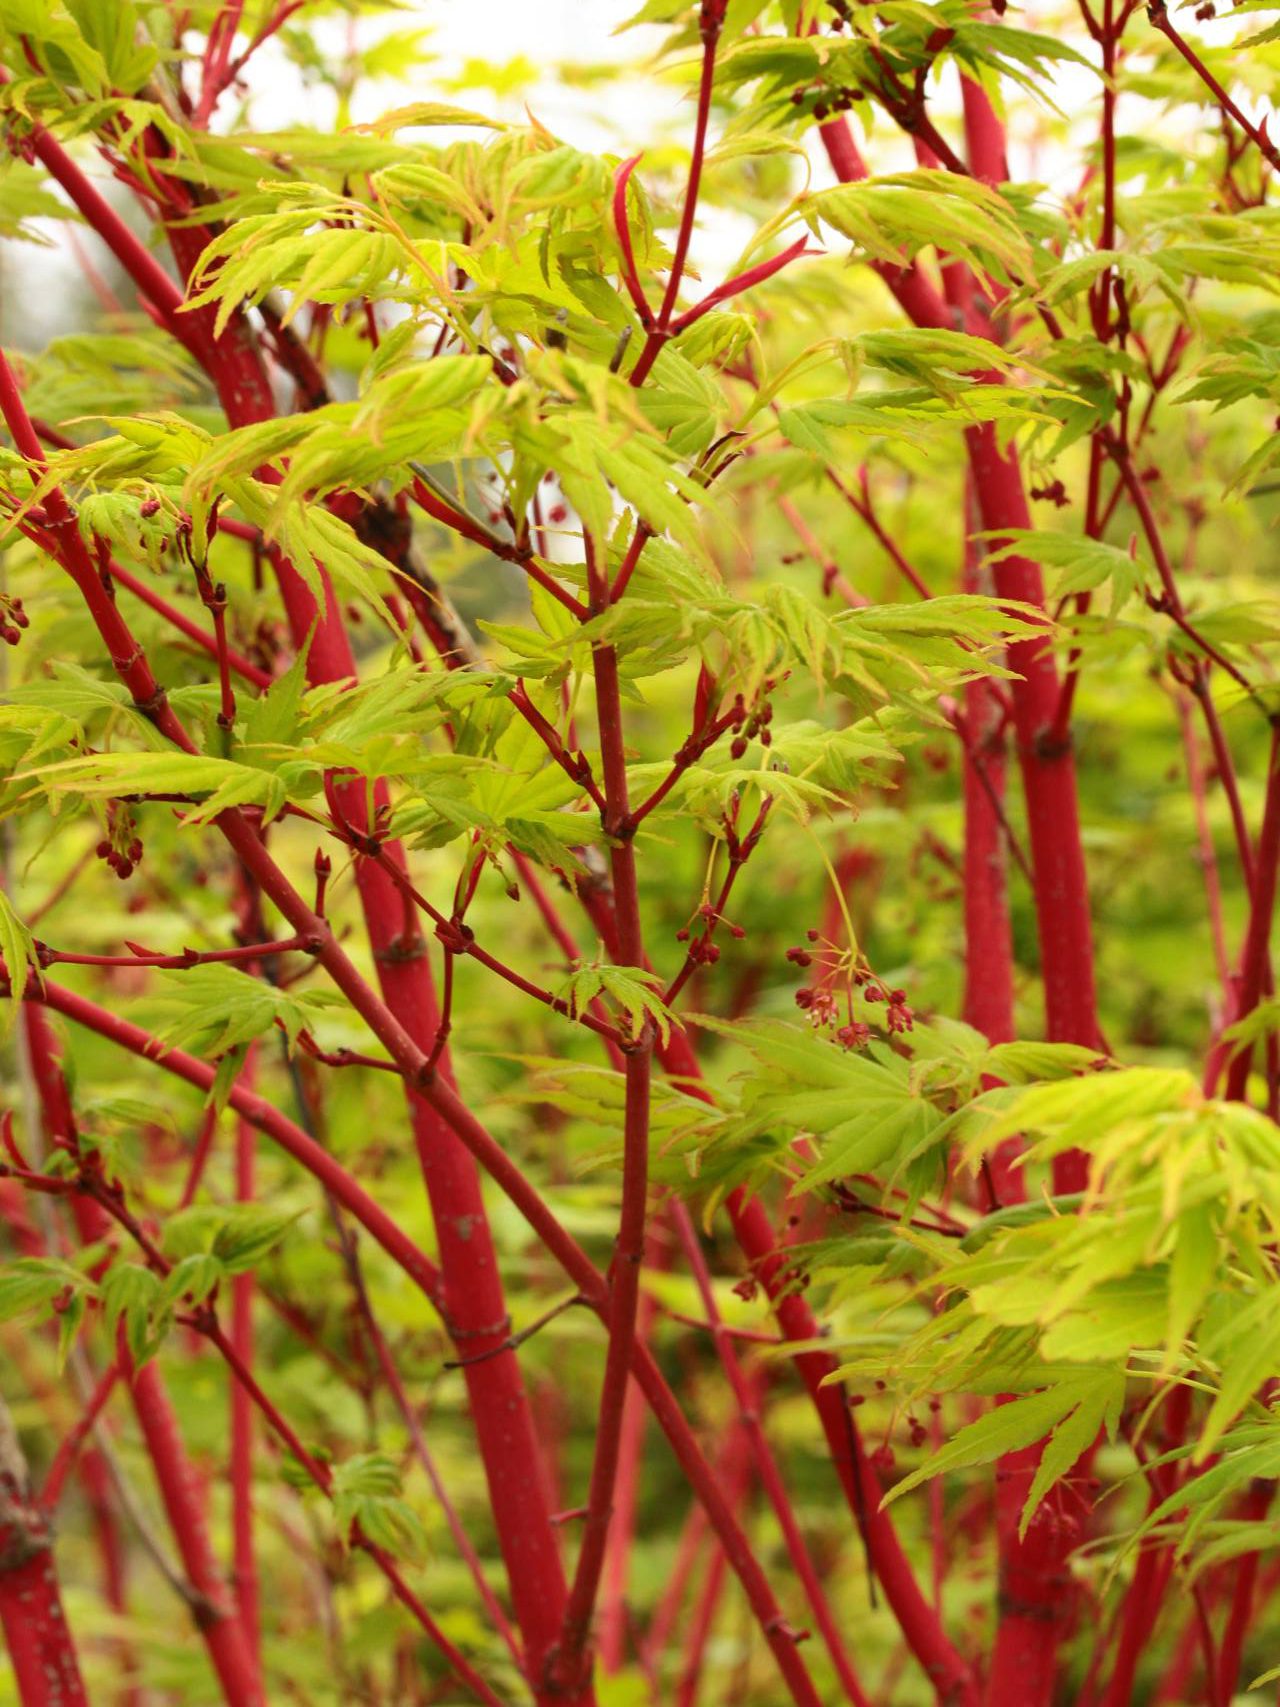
(135, 1295)
(1006, 1428)
(636, 992)
(366, 1494)
(1191, 1275)
(1021, 1063)
(248, 1233)
(30, 1284)
(890, 218)
(1071, 1439)
(195, 1278)
(425, 113)
(70, 1321)
(215, 1008)
(217, 784)
(1248, 1351)
(1085, 564)
(18, 952)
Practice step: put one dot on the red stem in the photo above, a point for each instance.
(921, 1626)
(570, 1668)
(1256, 134)
(919, 1621)
(614, 1612)
(1255, 954)
(1037, 1602)
(1253, 1510)
(1049, 784)
(244, 1568)
(622, 226)
(217, 60)
(737, 1479)
(69, 1450)
(249, 952)
(243, 667)
(741, 282)
(1147, 1595)
(221, 1629)
(639, 539)
(988, 938)
(692, 1536)
(661, 329)
(863, 507)
(41, 1651)
(275, 23)
(1102, 291)
(1204, 835)
(689, 208)
(1224, 766)
(216, 1618)
(748, 1394)
(199, 1156)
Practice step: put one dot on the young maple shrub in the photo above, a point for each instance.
(641, 1047)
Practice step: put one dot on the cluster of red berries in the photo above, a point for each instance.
(834, 101)
(13, 619)
(754, 727)
(823, 1009)
(121, 847)
(898, 1016)
(702, 951)
(823, 1005)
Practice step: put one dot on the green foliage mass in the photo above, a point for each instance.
(481, 451)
